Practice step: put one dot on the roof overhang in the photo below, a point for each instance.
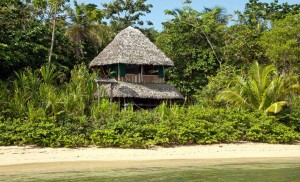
(143, 91)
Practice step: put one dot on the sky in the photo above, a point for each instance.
(157, 15)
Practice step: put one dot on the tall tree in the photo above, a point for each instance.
(25, 39)
(53, 8)
(19, 30)
(124, 13)
(263, 89)
(256, 13)
(192, 40)
(85, 28)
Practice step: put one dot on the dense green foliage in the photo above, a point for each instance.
(206, 96)
(25, 40)
(46, 114)
(263, 89)
(282, 43)
(242, 46)
(27, 35)
(193, 125)
(86, 30)
(192, 40)
(46, 90)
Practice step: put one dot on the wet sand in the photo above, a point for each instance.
(81, 166)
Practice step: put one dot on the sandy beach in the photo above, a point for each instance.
(21, 162)
(13, 155)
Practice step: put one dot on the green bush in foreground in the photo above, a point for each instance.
(143, 129)
(44, 132)
(193, 125)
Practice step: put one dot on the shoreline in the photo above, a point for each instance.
(90, 166)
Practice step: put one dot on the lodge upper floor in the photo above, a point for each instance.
(134, 73)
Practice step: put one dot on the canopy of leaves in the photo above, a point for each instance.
(25, 40)
(282, 43)
(86, 29)
(124, 13)
(206, 96)
(242, 46)
(257, 12)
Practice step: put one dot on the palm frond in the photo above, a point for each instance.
(276, 107)
(266, 75)
(262, 89)
(292, 89)
(255, 72)
(268, 95)
(232, 97)
(254, 92)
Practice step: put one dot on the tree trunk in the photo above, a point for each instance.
(53, 34)
(209, 42)
(212, 47)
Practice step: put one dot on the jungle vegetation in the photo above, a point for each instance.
(240, 77)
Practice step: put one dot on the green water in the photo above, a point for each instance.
(230, 172)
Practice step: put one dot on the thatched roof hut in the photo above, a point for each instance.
(145, 91)
(131, 46)
(137, 68)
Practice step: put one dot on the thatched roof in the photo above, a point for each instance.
(145, 91)
(131, 46)
(105, 80)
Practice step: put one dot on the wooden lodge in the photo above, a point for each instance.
(131, 70)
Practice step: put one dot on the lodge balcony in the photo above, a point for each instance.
(138, 78)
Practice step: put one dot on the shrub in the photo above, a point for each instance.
(271, 131)
(193, 125)
(291, 114)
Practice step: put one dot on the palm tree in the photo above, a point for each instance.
(264, 89)
(86, 27)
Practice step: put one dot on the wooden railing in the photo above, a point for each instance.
(133, 78)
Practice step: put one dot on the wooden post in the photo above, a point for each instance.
(164, 74)
(111, 95)
(119, 78)
(142, 72)
(101, 81)
(98, 90)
